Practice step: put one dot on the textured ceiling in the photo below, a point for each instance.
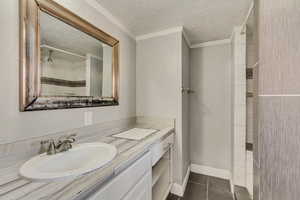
(203, 20)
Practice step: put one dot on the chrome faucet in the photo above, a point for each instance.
(64, 144)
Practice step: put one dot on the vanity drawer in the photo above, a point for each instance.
(160, 148)
(142, 190)
(119, 186)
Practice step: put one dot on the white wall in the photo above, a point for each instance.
(185, 107)
(157, 79)
(15, 125)
(210, 106)
(158, 87)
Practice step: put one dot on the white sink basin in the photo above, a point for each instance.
(79, 160)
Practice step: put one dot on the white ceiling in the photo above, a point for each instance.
(203, 20)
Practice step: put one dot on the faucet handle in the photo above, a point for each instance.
(65, 144)
(70, 138)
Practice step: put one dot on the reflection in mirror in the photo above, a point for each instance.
(73, 63)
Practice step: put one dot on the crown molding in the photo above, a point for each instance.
(236, 30)
(160, 33)
(251, 9)
(165, 32)
(109, 16)
(114, 20)
(186, 38)
(211, 43)
(232, 36)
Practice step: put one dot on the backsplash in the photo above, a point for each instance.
(13, 153)
(19, 151)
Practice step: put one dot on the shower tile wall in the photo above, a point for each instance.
(252, 61)
(279, 100)
(63, 67)
(239, 107)
(249, 172)
(256, 171)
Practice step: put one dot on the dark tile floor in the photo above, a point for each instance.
(201, 187)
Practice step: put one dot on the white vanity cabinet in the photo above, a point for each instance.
(148, 178)
(142, 191)
(162, 154)
(127, 185)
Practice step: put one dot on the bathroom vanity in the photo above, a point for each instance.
(147, 178)
(142, 170)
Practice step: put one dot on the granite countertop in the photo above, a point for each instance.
(14, 187)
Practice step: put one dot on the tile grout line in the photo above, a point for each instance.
(279, 95)
(207, 183)
(196, 183)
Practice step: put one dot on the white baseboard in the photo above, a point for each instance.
(167, 192)
(210, 171)
(178, 189)
(231, 186)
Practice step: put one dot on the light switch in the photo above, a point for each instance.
(88, 118)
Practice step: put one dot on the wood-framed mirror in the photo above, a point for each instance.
(65, 62)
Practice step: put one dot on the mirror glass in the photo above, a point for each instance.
(73, 63)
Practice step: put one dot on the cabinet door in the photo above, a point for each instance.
(142, 190)
(123, 184)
